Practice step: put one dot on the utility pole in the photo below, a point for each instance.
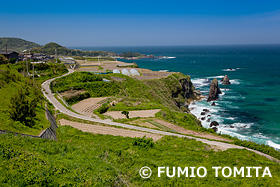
(26, 64)
(6, 51)
(30, 55)
(55, 56)
(33, 74)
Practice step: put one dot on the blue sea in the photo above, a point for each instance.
(249, 108)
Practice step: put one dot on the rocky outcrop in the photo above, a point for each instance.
(214, 91)
(184, 92)
(214, 124)
(225, 80)
(187, 87)
(215, 129)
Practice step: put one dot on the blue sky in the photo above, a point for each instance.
(140, 23)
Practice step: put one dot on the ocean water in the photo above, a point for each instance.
(249, 108)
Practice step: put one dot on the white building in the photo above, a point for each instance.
(116, 71)
(134, 72)
(125, 72)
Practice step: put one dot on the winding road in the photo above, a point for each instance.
(50, 96)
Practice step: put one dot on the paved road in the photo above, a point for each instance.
(50, 96)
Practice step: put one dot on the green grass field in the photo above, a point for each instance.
(11, 83)
(83, 159)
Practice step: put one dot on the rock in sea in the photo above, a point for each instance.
(214, 91)
(214, 123)
(225, 80)
(215, 129)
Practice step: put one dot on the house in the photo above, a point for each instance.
(10, 54)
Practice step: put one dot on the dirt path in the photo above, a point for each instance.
(132, 114)
(99, 129)
(194, 133)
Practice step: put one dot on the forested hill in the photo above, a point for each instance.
(50, 48)
(16, 44)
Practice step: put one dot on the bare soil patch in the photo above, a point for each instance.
(98, 129)
(87, 106)
(132, 114)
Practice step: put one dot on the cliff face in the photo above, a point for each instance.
(177, 90)
(214, 91)
(187, 88)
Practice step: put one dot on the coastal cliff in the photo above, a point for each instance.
(176, 90)
(214, 91)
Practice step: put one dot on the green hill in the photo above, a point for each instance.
(12, 83)
(16, 44)
(50, 48)
(84, 159)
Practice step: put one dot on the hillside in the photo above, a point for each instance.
(50, 48)
(170, 94)
(12, 83)
(84, 159)
(16, 44)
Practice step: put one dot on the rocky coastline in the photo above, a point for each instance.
(214, 92)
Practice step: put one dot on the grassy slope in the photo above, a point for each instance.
(134, 94)
(84, 159)
(10, 88)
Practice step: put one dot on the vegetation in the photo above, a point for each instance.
(93, 85)
(50, 48)
(3, 59)
(262, 148)
(23, 110)
(143, 142)
(20, 109)
(125, 113)
(83, 159)
(131, 54)
(43, 71)
(16, 44)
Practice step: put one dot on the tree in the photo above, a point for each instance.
(23, 110)
(125, 113)
(3, 59)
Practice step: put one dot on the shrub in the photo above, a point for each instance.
(23, 110)
(78, 97)
(125, 113)
(143, 142)
(103, 108)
